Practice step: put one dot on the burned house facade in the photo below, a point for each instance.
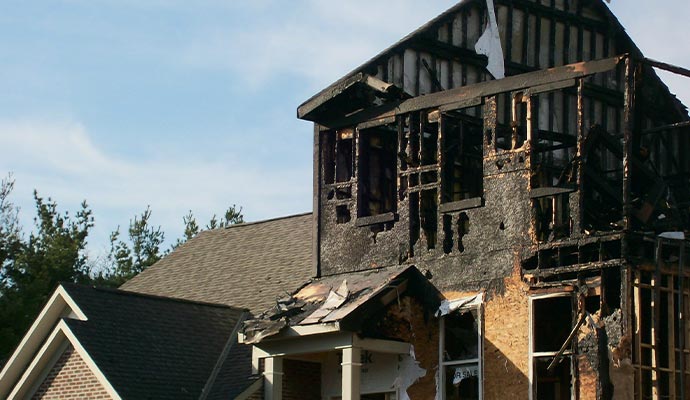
(499, 207)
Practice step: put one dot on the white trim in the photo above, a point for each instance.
(465, 304)
(89, 361)
(49, 367)
(59, 305)
(45, 359)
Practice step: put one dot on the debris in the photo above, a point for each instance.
(410, 372)
(448, 306)
(489, 44)
(334, 300)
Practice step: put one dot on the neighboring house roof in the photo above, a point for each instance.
(152, 347)
(246, 265)
(140, 346)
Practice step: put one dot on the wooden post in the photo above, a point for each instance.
(351, 373)
(273, 378)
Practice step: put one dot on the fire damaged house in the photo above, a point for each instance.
(499, 212)
(499, 207)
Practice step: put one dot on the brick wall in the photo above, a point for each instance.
(71, 379)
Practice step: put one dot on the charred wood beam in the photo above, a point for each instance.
(610, 96)
(480, 90)
(668, 67)
(559, 354)
(376, 219)
(559, 15)
(550, 272)
(449, 51)
(679, 125)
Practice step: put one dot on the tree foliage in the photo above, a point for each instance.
(54, 251)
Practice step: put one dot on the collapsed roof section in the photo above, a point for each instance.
(341, 303)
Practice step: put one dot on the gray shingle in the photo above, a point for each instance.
(151, 347)
(246, 265)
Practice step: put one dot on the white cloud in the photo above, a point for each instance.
(59, 158)
(319, 42)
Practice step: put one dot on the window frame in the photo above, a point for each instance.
(479, 307)
(533, 355)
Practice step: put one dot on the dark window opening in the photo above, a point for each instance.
(462, 167)
(342, 213)
(377, 170)
(552, 322)
(463, 229)
(344, 155)
(461, 354)
(447, 234)
(554, 384)
(337, 156)
(428, 213)
(429, 144)
(552, 217)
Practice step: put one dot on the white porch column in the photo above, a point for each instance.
(351, 372)
(273, 378)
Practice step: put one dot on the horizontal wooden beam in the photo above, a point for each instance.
(479, 90)
(668, 67)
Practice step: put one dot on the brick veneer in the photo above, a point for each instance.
(71, 379)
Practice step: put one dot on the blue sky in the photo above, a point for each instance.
(191, 105)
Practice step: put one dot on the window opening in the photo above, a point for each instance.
(462, 168)
(377, 170)
(461, 354)
(551, 324)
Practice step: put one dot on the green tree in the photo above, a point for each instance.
(54, 252)
(141, 249)
(232, 216)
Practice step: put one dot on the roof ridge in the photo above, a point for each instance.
(265, 220)
(124, 292)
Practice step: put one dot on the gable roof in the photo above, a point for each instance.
(152, 347)
(141, 346)
(319, 107)
(245, 265)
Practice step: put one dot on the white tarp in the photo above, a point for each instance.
(489, 44)
(448, 306)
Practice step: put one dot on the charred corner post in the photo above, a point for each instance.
(519, 235)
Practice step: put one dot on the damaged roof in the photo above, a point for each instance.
(149, 347)
(245, 265)
(320, 107)
(341, 299)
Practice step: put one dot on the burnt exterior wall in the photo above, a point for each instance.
(579, 168)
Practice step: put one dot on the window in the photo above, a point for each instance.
(462, 158)
(377, 170)
(551, 323)
(461, 354)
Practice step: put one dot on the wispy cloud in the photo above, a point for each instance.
(59, 158)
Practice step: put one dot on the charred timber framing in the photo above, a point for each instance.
(479, 90)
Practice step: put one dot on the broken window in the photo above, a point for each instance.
(551, 324)
(461, 354)
(462, 170)
(377, 170)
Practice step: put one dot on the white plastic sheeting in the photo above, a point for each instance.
(489, 44)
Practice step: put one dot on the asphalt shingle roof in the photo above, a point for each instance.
(150, 347)
(247, 265)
